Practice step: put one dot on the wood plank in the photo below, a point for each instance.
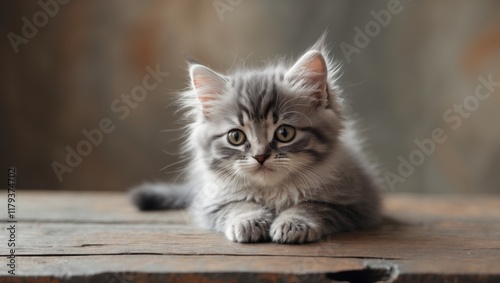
(156, 268)
(99, 207)
(98, 237)
(437, 207)
(115, 207)
(84, 265)
(431, 241)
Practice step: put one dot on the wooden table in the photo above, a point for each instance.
(100, 237)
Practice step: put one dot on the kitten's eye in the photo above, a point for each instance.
(236, 137)
(285, 133)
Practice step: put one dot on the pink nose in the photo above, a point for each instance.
(261, 158)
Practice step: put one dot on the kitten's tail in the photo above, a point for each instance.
(160, 196)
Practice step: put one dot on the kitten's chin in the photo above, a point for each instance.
(266, 176)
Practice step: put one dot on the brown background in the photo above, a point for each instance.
(65, 78)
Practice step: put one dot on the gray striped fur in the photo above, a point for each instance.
(315, 185)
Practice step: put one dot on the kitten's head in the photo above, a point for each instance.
(269, 125)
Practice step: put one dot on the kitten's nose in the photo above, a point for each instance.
(261, 158)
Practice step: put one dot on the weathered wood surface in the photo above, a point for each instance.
(100, 237)
(114, 207)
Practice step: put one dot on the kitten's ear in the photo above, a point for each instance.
(207, 84)
(320, 44)
(311, 71)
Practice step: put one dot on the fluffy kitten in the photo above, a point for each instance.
(271, 155)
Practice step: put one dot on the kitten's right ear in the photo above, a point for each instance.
(207, 84)
(311, 70)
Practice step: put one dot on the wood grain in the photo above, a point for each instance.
(112, 207)
(443, 240)
(97, 207)
(100, 237)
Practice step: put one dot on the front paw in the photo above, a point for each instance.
(249, 230)
(290, 229)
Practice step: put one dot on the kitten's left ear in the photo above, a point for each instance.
(311, 71)
(207, 84)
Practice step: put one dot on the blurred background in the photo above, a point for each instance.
(409, 68)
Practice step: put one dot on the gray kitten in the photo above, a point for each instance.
(272, 156)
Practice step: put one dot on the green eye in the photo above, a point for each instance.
(284, 133)
(236, 137)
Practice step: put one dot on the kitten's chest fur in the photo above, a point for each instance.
(277, 198)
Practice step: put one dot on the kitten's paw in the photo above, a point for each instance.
(249, 230)
(294, 230)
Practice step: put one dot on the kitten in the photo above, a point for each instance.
(272, 156)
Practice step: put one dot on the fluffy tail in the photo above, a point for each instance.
(159, 196)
